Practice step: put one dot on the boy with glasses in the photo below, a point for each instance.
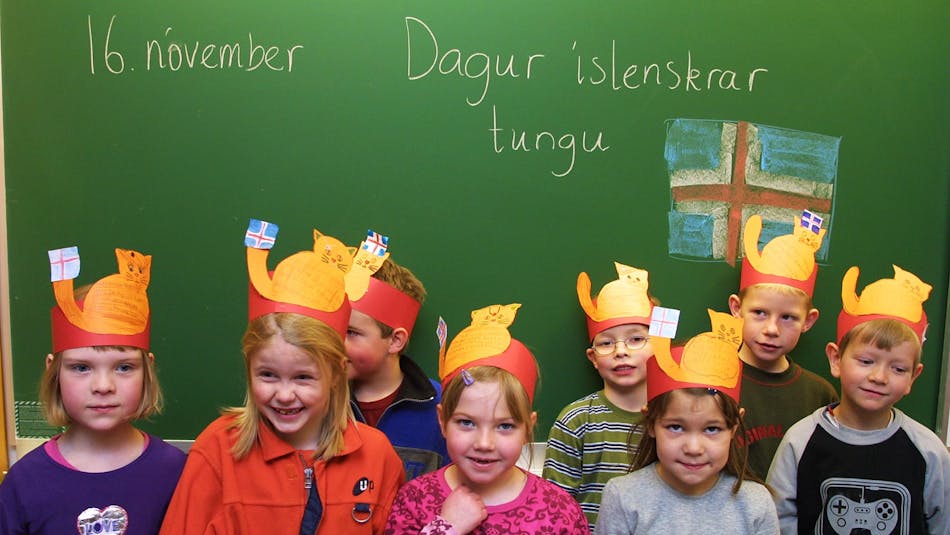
(594, 438)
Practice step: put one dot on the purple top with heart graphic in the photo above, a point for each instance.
(40, 495)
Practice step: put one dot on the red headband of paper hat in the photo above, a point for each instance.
(308, 282)
(620, 302)
(385, 303)
(708, 360)
(486, 342)
(115, 311)
(900, 298)
(787, 259)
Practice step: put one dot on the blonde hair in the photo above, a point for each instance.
(52, 400)
(325, 347)
(513, 392)
(737, 462)
(402, 279)
(882, 333)
(781, 289)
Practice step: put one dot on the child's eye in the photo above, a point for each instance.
(900, 370)
(464, 422)
(124, 368)
(351, 332)
(712, 429)
(676, 428)
(507, 426)
(79, 368)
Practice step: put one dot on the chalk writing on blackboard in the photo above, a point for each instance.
(599, 67)
(173, 54)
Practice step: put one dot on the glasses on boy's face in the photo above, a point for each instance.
(607, 346)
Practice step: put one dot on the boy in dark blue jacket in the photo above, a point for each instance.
(388, 390)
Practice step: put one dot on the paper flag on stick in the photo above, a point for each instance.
(811, 221)
(64, 263)
(663, 322)
(375, 243)
(260, 234)
(441, 332)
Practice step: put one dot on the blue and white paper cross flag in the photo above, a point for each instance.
(663, 322)
(260, 234)
(64, 263)
(375, 243)
(812, 221)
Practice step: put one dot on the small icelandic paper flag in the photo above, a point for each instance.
(663, 322)
(441, 331)
(811, 221)
(64, 263)
(260, 234)
(375, 243)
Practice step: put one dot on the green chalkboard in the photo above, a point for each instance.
(503, 146)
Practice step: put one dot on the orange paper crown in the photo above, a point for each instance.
(115, 311)
(619, 302)
(708, 360)
(486, 342)
(374, 297)
(900, 298)
(308, 282)
(787, 259)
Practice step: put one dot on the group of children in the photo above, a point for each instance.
(342, 432)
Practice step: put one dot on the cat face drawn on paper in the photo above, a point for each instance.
(365, 264)
(115, 304)
(331, 251)
(495, 315)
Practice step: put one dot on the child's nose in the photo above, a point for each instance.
(693, 444)
(285, 393)
(485, 439)
(878, 374)
(103, 383)
(771, 325)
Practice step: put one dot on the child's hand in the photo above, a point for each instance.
(463, 509)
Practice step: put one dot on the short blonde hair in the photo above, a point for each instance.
(52, 400)
(882, 333)
(782, 289)
(325, 347)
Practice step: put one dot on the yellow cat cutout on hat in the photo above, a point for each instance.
(710, 359)
(115, 304)
(365, 264)
(301, 279)
(791, 255)
(486, 342)
(626, 296)
(487, 335)
(624, 300)
(900, 298)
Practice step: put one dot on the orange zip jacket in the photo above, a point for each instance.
(264, 492)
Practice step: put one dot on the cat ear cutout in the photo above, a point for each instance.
(788, 259)
(708, 360)
(900, 298)
(625, 300)
(113, 311)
